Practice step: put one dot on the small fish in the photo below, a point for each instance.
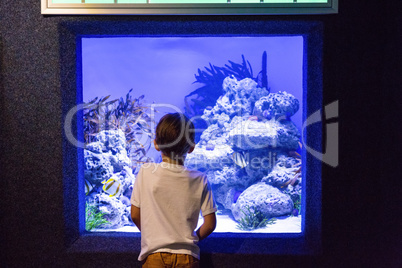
(291, 181)
(294, 154)
(208, 108)
(112, 187)
(253, 118)
(88, 187)
(239, 159)
(297, 171)
(210, 147)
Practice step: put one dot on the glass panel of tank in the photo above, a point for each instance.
(244, 95)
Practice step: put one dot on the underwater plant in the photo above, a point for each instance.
(297, 205)
(93, 217)
(129, 114)
(94, 117)
(212, 79)
(295, 195)
(253, 219)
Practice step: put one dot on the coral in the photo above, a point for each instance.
(253, 219)
(250, 132)
(214, 135)
(108, 159)
(115, 209)
(297, 203)
(93, 217)
(238, 100)
(105, 156)
(212, 79)
(261, 162)
(267, 199)
(230, 175)
(94, 114)
(283, 172)
(281, 104)
(248, 147)
(252, 135)
(202, 159)
(227, 195)
(129, 115)
(97, 166)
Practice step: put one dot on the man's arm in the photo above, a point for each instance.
(135, 216)
(207, 227)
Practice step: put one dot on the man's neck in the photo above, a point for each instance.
(178, 161)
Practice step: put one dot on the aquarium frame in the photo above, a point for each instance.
(79, 241)
(49, 8)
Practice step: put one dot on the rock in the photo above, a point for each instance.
(260, 162)
(227, 183)
(214, 135)
(115, 210)
(97, 167)
(231, 197)
(245, 89)
(113, 140)
(105, 156)
(294, 192)
(201, 158)
(252, 135)
(253, 126)
(126, 179)
(267, 199)
(225, 175)
(230, 176)
(239, 99)
(96, 147)
(276, 104)
(119, 160)
(227, 195)
(283, 171)
(104, 159)
(288, 136)
(222, 120)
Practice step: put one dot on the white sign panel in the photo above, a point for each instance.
(184, 7)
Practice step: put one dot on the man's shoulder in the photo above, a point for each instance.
(196, 174)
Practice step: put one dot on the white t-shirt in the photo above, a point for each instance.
(170, 198)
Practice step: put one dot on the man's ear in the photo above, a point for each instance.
(156, 146)
(191, 149)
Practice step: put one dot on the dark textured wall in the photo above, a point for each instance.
(361, 70)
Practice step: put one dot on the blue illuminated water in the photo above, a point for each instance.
(163, 70)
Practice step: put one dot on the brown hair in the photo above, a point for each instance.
(174, 135)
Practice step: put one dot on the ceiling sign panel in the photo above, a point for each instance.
(183, 7)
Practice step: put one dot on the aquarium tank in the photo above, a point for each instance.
(245, 97)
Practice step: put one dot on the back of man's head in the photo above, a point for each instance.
(174, 135)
